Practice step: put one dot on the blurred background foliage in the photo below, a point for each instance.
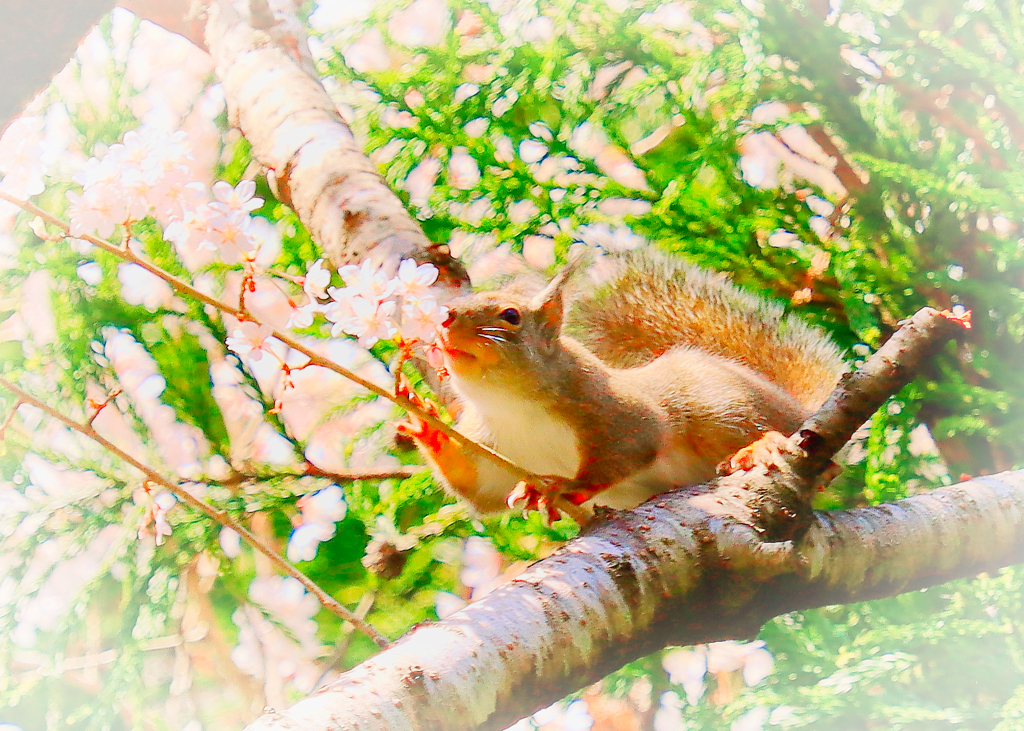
(853, 160)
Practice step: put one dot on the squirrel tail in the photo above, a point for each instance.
(647, 303)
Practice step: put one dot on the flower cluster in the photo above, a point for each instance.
(320, 511)
(148, 174)
(373, 306)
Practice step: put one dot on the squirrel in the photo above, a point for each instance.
(644, 383)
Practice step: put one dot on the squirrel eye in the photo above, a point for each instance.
(511, 316)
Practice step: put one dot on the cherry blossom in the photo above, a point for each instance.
(230, 542)
(446, 604)
(140, 287)
(288, 600)
(304, 541)
(368, 53)
(161, 504)
(539, 251)
(766, 161)
(464, 92)
(96, 213)
(148, 170)
(620, 238)
(250, 340)
(181, 445)
(323, 506)
(419, 183)
(339, 310)
(175, 194)
(476, 127)
(316, 280)
(463, 172)
(229, 230)
(370, 322)
(522, 211)
(302, 316)
(413, 282)
(239, 198)
(616, 165)
(689, 666)
(64, 579)
(504, 151)
(481, 566)
(21, 155)
(532, 150)
(424, 23)
(422, 319)
(190, 234)
(367, 281)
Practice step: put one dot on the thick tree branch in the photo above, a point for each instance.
(317, 166)
(696, 565)
(650, 578)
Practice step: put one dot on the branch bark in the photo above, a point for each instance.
(316, 164)
(657, 576)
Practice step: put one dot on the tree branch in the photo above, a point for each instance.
(317, 166)
(695, 565)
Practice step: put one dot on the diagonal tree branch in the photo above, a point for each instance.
(695, 565)
(316, 164)
(219, 516)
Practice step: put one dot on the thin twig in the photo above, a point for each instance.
(860, 393)
(341, 646)
(100, 406)
(219, 516)
(398, 473)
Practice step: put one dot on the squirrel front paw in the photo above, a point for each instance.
(770, 451)
(417, 428)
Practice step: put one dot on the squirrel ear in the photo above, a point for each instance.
(550, 302)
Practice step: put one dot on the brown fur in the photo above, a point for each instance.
(655, 303)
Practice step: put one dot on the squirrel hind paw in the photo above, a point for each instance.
(770, 451)
(540, 494)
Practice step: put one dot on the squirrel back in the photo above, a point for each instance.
(649, 303)
(661, 372)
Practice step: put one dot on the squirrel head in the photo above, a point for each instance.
(505, 335)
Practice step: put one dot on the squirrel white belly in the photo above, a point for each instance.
(671, 370)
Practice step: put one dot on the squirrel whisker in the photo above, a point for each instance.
(493, 338)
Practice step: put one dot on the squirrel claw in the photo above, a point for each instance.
(539, 494)
(769, 451)
(404, 389)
